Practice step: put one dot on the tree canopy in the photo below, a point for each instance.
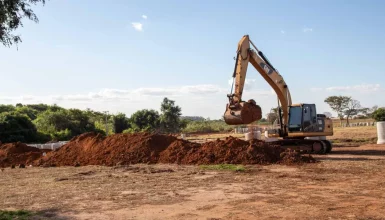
(11, 14)
(170, 116)
(379, 114)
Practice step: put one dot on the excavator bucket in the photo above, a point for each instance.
(242, 113)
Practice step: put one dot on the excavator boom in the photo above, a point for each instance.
(240, 112)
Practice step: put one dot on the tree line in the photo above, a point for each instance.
(346, 108)
(43, 123)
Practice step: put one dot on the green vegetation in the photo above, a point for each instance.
(347, 107)
(11, 14)
(42, 123)
(11, 215)
(207, 126)
(238, 168)
(379, 114)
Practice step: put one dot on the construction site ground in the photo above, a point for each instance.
(346, 184)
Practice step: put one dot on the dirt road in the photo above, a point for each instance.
(347, 184)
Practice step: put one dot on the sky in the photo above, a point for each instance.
(123, 56)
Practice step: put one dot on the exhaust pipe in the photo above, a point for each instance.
(242, 113)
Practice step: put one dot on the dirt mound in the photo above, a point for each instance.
(18, 153)
(120, 149)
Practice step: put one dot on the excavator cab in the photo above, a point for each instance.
(304, 118)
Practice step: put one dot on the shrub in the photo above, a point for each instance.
(379, 114)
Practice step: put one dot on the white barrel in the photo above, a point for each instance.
(249, 136)
(257, 135)
(381, 132)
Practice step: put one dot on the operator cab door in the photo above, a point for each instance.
(309, 118)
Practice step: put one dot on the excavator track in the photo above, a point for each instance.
(306, 146)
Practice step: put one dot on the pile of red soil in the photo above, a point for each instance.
(121, 149)
(18, 153)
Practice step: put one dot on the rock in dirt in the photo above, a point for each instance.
(125, 149)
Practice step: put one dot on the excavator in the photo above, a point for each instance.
(300, 127)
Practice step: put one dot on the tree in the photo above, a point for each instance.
(339, 104)
(16, 127)
(353, 108)
(368, 112)
(7, 108)
(30, 112)
(379, 114)
(79, 122)
(144, 120)
(120, 123)
(11, 14)
(170, 116)
(51, 123)
(272, 116)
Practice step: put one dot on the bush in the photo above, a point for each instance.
(16, 127)
(379, 114)
(207, 126)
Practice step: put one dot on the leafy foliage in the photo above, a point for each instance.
(6, 108)
(11, 14)
(16, 127)
(170, 116)
(379, 114)
(144, 120)
(339, 104)
(121, 123)
(207, 126)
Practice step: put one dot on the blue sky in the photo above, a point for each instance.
(123, 56)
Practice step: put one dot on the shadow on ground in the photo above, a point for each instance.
(359, 152)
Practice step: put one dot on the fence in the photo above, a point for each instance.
(359, 124)
(248, 129)
(52, 146)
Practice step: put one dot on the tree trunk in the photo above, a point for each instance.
(347, 120)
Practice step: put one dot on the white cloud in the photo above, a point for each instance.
(357, 88)
(307, 29)
(201, 89)
(155, 92)
(249, 83)
(363, 88)
(120, 94)
(137, 26)
(144, 16)
(282, 32)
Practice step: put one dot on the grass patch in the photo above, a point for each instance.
(238, 168)
(10, 215)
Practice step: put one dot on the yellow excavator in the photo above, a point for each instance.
(300, 126)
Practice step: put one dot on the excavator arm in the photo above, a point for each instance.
(240, 112)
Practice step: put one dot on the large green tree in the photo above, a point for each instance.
(379, 114)
(16, 127)
(7, 108)
(339, 104)
(144, 120)
(121, 122)
(352, 109)
(11, 14)
(170, 116)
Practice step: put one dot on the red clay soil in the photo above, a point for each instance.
(122, 149)
(18, 153)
